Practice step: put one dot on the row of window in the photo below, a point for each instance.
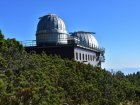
(84, 57)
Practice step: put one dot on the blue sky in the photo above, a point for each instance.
(116, 23)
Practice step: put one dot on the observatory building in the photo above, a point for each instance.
(53, 39)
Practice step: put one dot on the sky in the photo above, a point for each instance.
(115, 22)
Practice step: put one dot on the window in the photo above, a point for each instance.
(86, 57)
(91, 57)
(83, 57)
(80, 55)
(76, 56)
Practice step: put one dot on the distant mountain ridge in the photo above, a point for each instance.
(130, 70)
(126, 70)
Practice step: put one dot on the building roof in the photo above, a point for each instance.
(51, 23)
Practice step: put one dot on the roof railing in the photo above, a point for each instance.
(29, 43)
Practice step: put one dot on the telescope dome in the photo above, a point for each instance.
(86, 39)
(51, 30)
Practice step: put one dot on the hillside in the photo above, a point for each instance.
(33, 79)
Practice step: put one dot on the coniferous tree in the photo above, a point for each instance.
(39, 79)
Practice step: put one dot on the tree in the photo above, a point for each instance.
(39, 79)
(1, 38)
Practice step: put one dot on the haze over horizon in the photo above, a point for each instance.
(116, 24)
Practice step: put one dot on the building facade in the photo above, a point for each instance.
(53, 38)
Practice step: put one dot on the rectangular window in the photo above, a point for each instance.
(76, 56)
(86, 57)
(91, 57)
(83, 57)
(80, 56)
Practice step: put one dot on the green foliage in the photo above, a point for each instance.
(1, 36)
(33, 79)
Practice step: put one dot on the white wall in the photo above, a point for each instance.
(92, 56)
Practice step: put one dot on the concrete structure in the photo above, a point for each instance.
(52, 38)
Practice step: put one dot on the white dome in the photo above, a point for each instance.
(51, 23)
(86, 39)
(51, 30)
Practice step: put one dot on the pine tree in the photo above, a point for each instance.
(1, 38)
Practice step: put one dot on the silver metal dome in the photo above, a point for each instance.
(86, 39)
(51, 30)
